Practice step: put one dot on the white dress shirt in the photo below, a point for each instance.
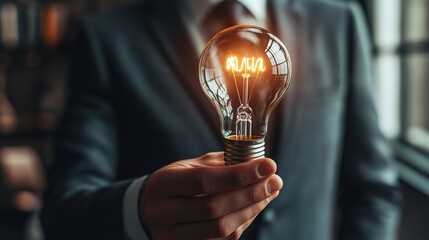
(199, 10)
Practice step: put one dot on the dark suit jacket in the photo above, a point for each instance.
(135, 105)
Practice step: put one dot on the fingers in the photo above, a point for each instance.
(203, 199)
(237, 233)
(213, 206)
(221, 227)
(193, 181)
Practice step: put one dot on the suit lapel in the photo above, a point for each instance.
(173, 34)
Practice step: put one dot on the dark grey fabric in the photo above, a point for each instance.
(224, 15)
(135, 105)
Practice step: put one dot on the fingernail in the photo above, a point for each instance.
(272, 186)
(265, 169)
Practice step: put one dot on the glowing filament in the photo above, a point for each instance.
(247, 64)
(244, 112)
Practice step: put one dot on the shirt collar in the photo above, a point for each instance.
(200, 8)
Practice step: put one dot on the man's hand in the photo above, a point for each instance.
(203, 199)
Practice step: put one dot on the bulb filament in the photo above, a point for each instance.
(249, 66)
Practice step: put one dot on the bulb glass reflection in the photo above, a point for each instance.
(245, 72)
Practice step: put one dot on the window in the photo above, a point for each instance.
(401, 37)
(416, 72)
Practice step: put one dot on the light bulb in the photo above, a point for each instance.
(245, 72)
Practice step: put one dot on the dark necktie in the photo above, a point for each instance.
(228, 13)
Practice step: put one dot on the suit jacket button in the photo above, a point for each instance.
(269, 215)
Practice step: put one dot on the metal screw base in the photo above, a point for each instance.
(239, 151)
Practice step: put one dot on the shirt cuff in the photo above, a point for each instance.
(133, 228)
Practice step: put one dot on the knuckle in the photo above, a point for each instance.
(213, 208)
(205, 182)
(211, 156)
(238, 179)
(254, 195)
(266, 202)
(235, 235)
(207, 156)
(260, 206)
(222, 228)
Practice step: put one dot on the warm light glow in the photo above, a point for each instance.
(244, 71)
(247, 64)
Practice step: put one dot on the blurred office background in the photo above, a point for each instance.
(35, 42)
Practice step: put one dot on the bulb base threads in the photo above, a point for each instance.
(239, 151)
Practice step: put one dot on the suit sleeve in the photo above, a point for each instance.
(370, 197)
(84, 199)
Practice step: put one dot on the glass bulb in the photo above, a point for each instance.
(245, 72)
